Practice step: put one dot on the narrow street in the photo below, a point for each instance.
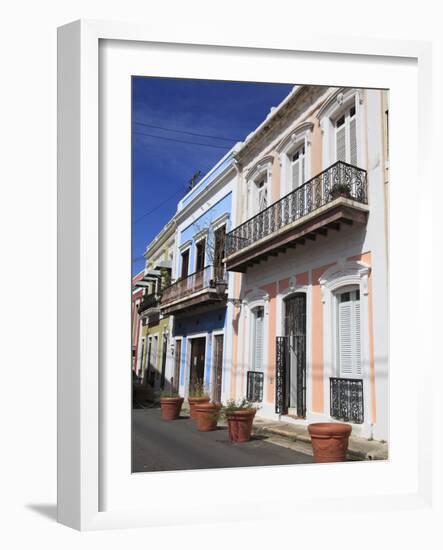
(163, 446)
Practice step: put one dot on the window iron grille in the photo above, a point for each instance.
(346, 399)
(254, 391)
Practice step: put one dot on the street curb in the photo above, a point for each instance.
(370, 451)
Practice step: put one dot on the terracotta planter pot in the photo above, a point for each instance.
(329, 441)
(206, 414)
(171, 407)
(240, 425)
(193, 401)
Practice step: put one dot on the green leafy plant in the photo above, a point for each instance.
(169, 393)
(340, 189)
(165, 276)
(232, 406)
(197, 389)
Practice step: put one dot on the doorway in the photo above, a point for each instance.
(177, 363)
(295, 332)
(164, 353)
(217, 368)
(197, 372)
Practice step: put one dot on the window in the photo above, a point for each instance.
(185, 264)
(348, 334)
(200, 255)
(346, 136)
(219, 251)
(298, 167)
(257, 341)
(262, 195)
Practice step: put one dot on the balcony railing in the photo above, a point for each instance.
(205, 279)
(339, 180)
(346, 399)
(148, 301)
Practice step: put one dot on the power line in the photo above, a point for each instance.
(185, 132)
(157, 207)
(182, 141)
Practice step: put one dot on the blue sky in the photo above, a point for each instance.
(163, 165)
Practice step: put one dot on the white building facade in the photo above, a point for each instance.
(309, 261)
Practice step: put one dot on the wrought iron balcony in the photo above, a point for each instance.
(336, 195)
(149, 301)
(346, 399)
(203, 288)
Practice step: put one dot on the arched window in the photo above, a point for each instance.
(346, 135)
(341, 119)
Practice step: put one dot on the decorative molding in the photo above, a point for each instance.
(259, 167)
(302, 130)
(187, 244)
(344, 274)
(200, 235)
(336, 101)
(220, 220)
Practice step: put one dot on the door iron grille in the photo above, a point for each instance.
(346, 398)
(281, 393)
(254, 391)
(295, 330)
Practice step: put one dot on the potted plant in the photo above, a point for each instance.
(239, 416)
(207, 416)
(329, 441)
(171, 404)
(197, 395)
(341, 190)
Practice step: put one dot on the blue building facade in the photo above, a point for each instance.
(197, 298)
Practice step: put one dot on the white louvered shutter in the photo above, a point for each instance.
(357, 340)
(295, 175)
(258, 353)
(353, 141)
(349, 340)
(340, 137)
(345, 338)
(262, 198)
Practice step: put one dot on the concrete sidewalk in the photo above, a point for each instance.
(297, 438)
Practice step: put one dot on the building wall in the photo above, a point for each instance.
(302, 269)
(212, 199)
(200, 325)
(136, 327)
(161, 330)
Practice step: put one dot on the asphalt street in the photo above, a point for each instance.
(159, 445)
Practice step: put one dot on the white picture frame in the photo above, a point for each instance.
(85, 464)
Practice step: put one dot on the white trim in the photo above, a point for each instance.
(214, 333)
(262, 170)
(220, 221)
(200, 235)
(342, 275)
(331, 110)
(190, 337)
(300, 136)
(183, 247)
(256, 298)
(294, 288)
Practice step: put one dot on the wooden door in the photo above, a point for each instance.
(217, 368)
(198, 348)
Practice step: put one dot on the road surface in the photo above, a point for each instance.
(159, 445)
